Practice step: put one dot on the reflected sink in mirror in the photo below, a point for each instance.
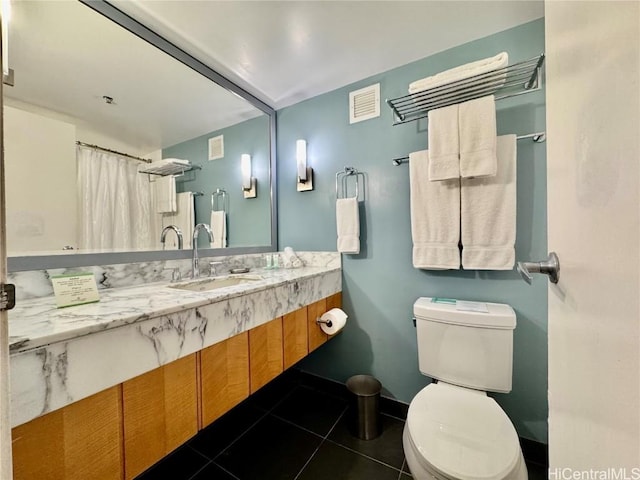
(207, 284)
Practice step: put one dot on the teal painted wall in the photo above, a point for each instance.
(248, 220)
(380, 284)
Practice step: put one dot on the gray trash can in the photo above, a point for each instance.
(364, 411)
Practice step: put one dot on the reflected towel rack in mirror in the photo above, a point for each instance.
(517, 79)
(217, 197)
(169, 168)
(538, 137)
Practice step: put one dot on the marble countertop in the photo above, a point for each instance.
(36, 323)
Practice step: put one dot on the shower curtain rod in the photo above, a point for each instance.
(97, 147)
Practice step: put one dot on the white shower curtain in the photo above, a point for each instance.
(114, 203)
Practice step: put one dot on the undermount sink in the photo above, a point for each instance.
(207, 284)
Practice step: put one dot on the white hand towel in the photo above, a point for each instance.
(166, 194)
(183, 218)
(489, 214)
(348, 223)
(462, 72)
(435, 217)
(477, 120)
(291, 260)
(444, 146)
(219, 229)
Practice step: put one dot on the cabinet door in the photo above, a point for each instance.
(265, 353)
(160, 413)
(224, 370)
(334, 301)
(80, 441)
(295, 332)
(316, 336)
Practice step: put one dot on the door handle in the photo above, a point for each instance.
(550, 266)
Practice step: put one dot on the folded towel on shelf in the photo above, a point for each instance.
(462, 72)
(444, 146)
(183, 218)
(165, 194)
(219, 229)
(348, 225)
(435, 217)
(489, 214)
(477, 121)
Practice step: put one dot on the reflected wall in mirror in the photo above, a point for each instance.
(79, 77)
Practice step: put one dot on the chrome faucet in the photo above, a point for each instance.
(195, 271)
(165, 230)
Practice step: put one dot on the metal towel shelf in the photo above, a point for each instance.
(517, 79)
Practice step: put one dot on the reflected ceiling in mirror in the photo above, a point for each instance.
(79, 77)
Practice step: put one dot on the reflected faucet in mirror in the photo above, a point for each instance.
(195, 271)
(165, 230)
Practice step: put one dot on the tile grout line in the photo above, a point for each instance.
(239, 436)
(266, 412)
(324, 439)
(364, 455)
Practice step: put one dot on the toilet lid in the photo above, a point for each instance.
(462, 434)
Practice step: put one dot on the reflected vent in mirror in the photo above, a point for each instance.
(216, 147)
(364, 103)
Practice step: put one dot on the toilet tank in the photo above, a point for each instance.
(466, 343)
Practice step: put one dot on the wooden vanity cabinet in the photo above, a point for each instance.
(224, 376)
(160, 413)
(265, 353)
(120, 432)
(295, 332)
(80, 441)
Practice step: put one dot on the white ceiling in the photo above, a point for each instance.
(66, 57)
(288, 51)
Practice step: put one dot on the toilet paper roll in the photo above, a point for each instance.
(333, 321)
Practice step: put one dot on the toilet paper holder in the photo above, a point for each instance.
(328, 323)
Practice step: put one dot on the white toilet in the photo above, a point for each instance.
(454, 431)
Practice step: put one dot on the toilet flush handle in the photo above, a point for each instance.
(550, 267)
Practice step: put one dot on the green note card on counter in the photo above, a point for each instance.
(75, 289)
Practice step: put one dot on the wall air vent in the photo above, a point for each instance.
(364, 103)
(216, 147)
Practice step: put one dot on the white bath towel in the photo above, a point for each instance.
(462, 72)
(348, 223)
(435, 217)
(183, 218)
(219, 229)
(165, 194)
(444, 146)
(477, 121)
(489, 214)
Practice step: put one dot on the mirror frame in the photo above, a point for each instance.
(42, 262)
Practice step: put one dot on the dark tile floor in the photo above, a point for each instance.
(293, 428)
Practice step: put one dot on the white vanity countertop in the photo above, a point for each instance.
(35, 323)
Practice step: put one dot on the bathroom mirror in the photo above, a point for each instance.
(88, 73)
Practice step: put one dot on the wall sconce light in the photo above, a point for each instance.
(249, 183)
(305, 174)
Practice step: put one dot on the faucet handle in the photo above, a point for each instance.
(175, 274)
(212, 268)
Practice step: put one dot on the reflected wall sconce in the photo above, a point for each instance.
(249, 183)
(305, 174)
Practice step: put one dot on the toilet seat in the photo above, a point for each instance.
(459, 433)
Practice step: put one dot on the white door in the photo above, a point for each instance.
(593, 126)
(5, 423)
